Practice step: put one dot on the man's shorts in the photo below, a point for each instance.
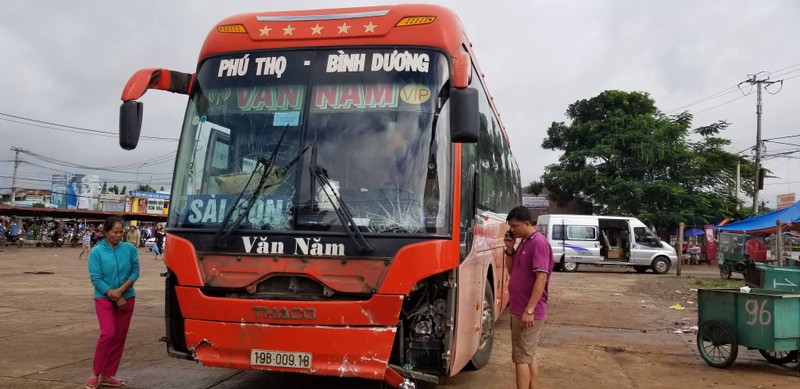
(524, 340)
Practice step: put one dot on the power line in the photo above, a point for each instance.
(55, 161)
(711, 97)
(719, 105)
(781, 137)
(155, 161)
(788, 67)
(67, 128)
(732, 88)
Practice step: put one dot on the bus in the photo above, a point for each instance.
(339, 196)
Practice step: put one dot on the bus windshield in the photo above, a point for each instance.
(373, 121)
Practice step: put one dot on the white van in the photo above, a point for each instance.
(605, 240)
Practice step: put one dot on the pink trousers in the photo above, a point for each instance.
(114, 323)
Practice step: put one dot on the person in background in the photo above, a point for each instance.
(161, 235)
(113, 269)
(530, 266)
(132, 236)
(13, 230)
(87, 244)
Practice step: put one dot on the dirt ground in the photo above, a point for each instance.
(606, 328)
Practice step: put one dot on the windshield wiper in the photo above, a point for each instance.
(342, 210)
(220, 239)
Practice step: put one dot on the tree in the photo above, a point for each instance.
(627, 158)
(162, 189)
(124, 190)
(535, 187)
(145, 188)
(105, 187)
(114, 189)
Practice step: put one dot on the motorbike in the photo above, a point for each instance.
(74, 238)
(13, 239)
(58, 239)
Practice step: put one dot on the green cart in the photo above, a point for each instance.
(767, 320)
(785, 278)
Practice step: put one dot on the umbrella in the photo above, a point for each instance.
(693, 232)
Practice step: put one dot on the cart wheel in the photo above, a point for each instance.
(778, 357)
(717, 344)
(725, 272)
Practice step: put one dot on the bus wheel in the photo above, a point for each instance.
(569, 266)
(481, 356)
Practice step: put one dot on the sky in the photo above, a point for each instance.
(67, 63)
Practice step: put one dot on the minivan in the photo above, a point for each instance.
(605, 240)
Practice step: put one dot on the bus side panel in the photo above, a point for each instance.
(468, 309)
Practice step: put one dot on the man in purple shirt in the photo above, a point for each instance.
(530, 266)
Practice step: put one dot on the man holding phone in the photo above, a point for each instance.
(530, 266)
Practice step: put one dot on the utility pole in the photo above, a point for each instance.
(738, 180)
(17, 161)
(758, 82)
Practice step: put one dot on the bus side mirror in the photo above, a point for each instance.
(130, 124)
(464, 115)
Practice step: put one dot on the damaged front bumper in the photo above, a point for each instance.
(335, 351)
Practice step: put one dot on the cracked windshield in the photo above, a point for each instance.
(304, 135)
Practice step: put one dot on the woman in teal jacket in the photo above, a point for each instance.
(113, 268)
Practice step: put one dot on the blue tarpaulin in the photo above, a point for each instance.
(789, 217)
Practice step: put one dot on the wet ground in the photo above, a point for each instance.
(607, 328)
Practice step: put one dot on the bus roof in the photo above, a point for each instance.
(407, 24)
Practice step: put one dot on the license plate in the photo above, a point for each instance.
(280, 359)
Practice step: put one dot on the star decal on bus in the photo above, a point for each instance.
(288, 30)
(343, 28)
(265, 31)
(316, 30)
(370, 27)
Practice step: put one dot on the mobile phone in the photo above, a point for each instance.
(509, 234)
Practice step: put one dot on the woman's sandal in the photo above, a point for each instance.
(91, 383)
(111, 382)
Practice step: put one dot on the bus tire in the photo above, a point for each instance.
(484, 352)
(568, 267)
(661, 265)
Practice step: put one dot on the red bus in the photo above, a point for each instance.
(339, 196)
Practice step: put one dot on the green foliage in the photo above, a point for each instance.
(114, 189)
(124, 190)
(37, 205)
(535, 187)
(627, 158)
(145, 188)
